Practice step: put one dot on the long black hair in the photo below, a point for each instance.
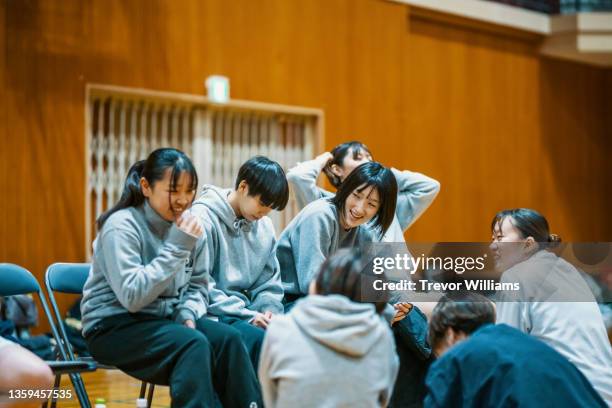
(339, 153)
(530, 223)
(265, 179)
(382, 179)
(152, 169)
(344, 273)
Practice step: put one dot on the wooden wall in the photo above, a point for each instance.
(477, 109)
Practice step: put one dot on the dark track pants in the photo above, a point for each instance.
(195, 363)
(252, 337)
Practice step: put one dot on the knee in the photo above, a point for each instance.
(232, 335)
(41, 377)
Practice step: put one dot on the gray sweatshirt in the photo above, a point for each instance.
(564, 315)
(328, 352)
(244, 273)
(416, 192)
(313, 235)
(143, 263)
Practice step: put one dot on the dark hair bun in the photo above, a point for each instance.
(554, 240)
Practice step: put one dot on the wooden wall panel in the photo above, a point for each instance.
(479, 110)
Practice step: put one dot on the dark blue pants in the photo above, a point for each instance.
(195, 363)
(252, 337)
(415, 357)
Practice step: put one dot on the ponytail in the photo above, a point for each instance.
(130, 197)
(152, 169)
(529, 223)
(554, 241)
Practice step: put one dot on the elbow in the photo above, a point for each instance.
(36, 376)
(43, 377)
(133, 307)
(435, 187)
(292, 177)
(131, 302)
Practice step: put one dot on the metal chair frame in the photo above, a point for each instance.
(80, 271)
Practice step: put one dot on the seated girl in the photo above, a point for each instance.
(245, 284)
(146, 297)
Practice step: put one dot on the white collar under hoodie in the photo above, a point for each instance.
(244, 273)
(328, 352)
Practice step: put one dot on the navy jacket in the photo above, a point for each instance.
(499, 366)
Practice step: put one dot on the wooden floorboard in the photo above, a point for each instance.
(118, 390)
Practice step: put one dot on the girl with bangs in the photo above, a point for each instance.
(145, 301)
(415, 191)
(362, 211)
(369, 193)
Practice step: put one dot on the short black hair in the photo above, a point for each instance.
(344, 273)
(339, 153)
(382, 179)
(265, 179)
(461, 311)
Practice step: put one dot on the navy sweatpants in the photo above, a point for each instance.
(195, 363)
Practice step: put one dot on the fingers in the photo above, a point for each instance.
(324, 158)
(261, 321)
(268, 315)
(403, 307)
(190, 224)
(402, 310)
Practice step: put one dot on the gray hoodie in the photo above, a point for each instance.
(328, 352)
(244, 273)
(415, 193)
(143, 263)
(313, 235)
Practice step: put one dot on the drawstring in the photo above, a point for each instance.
(243, 224)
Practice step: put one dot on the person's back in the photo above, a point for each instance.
(330, 352)
(499, 366)
(570, 322)
(554, 303)
(333, 349)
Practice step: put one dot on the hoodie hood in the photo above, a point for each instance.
(217, 202)
(347, 327)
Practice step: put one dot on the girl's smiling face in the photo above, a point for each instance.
(169, 201)
(508, 245)
(360, 207)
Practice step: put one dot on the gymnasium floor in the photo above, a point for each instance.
(118, 389)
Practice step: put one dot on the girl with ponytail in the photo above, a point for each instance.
(554, 303)
(145, 300)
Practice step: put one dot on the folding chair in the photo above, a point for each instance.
(15, 280)
(70, 278)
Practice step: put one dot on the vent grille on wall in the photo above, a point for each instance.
(123, 125)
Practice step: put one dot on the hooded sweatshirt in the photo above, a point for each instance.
(244, 273)
(313, 235)
(328, 352)
(143, 263)
(556, 306)
(415, 193)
